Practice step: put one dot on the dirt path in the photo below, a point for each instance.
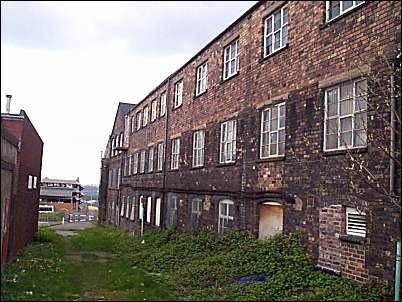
(104, 276)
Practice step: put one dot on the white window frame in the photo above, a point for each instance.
(158, 212)
(149, 209)
(198, 148)
(132, 123)
(196, 206)
(342, 11)
(30, 181)
(178, 94)
(135, 162)
(228, 142)
(35, 180)
(132, 215)
(202, 78)
(130, 162)
(142, 161)
(266, 130)
(161, 150)
(118, 177)
(125, 167)
(151, 159)
(354, 222)
(163, 104)
(231, 58)
(146, 116)
(340, 117)
(138, 117)
(279, 31)
(174, 165)
(223, 220)
(154, 106)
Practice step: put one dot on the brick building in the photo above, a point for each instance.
(256, 131)
(20, 176)
(61, 193)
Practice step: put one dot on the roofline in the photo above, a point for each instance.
(117, 112)
(250, 10)
(22, 112)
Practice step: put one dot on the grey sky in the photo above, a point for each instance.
(68, 64)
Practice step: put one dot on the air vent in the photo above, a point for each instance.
(355, 222)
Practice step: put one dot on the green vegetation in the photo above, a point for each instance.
(51, 216)
(104, 262)
(51, 269)
(39, 272)
(199, 267)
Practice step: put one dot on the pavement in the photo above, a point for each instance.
(68, 229)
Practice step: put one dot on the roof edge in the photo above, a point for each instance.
(250, 10)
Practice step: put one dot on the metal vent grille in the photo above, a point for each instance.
(356, 223)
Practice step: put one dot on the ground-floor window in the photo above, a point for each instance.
(132, 215)
(122, 206)
(141, 208)
(158, 212)
(171, 212)
(196, 210)
(226, 215)
(149, 209)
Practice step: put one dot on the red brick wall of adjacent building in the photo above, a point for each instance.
(26, 203)
(306, 180)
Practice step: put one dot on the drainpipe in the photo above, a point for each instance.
(392, 185)
(398, 272)
(392, 144)
(166, 140)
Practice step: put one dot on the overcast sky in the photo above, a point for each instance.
(68, 64)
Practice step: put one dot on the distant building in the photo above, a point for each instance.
(62, 194)
(21, 164)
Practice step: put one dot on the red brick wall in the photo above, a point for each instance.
(29, 162)
(316, 51)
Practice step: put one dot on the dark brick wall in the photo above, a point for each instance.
(26, 202)
(306, 179)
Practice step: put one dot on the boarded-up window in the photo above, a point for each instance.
(158, 212)
(149, 208)
(122, 206)
(141, 208)
(132, 215)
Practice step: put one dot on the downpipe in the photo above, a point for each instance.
(398, 272)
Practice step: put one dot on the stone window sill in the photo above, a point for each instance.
(226, 164)
(229, 78)
(345, 151)
(271, 159)
(352, 239)
(273, 53)
(199, 95)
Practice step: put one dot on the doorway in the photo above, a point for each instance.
(271, 220)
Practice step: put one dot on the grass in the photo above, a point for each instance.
(51, 216)
(104, 263)
(55, 269)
